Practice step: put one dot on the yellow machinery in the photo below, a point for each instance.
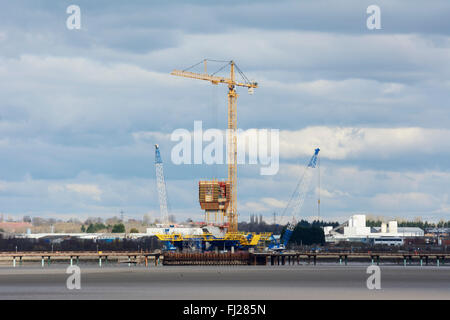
(241, 239)
(230, 212)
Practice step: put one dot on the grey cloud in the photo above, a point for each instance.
(71, 101)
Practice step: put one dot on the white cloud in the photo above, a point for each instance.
(279, 50)
(363, 143)
(330, 194)
(410, 201)
(355, 89)
(79, 70)
(339, 143)
(443, 210)
(150, 136)
(274, 203)
(70, 105)
(349, 189)
(87, 189)
(252, 206)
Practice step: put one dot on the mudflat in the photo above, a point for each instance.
(226, 282)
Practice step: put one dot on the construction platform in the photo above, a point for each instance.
(209, 241)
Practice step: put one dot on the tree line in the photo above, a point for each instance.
(96, 227)
(16, 244)
(305, 233)
(418, 224)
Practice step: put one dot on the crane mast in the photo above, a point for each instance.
(231, 212)
(232, 153)
(161, 186)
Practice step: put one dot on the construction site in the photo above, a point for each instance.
(217, 230)
(218, 198)
(220, 155)
(216, 238)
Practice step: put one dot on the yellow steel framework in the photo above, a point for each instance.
(245, 239)
(231, 212)
(214, 199)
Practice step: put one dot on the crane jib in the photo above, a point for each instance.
(298, 198)
(313, 161)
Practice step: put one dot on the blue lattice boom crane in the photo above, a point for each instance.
(295, 203)
(161, 186)
(162, 194)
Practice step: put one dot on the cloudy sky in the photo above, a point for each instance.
(80, 110)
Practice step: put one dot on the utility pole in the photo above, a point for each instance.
(318, 199)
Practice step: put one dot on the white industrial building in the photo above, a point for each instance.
(175, 230)
(159, 229)
(355, 230)
(182, 230)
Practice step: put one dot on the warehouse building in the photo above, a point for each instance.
(355, 230)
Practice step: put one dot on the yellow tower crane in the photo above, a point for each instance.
(232, 123)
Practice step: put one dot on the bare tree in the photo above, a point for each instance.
(146, 219)
(37, 221)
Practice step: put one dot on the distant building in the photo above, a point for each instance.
(407, 231)
(355, 230)
(15, 226)
(433, 232)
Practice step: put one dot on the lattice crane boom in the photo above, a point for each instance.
(212, 79)
(161, 186)
(295, 204)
